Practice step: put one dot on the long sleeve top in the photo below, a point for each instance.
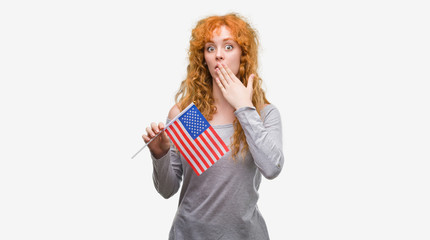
(221, 203)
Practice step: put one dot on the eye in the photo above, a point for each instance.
(210, 49)
(229, 47)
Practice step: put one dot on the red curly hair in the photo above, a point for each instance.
(197, 87)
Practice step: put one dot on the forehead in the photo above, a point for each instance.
(221, 33)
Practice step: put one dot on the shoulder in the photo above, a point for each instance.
(174, 111)
(270, 113)
(268, 107)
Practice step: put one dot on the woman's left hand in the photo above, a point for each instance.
(233, 90)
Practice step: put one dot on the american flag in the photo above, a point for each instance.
(195, 139)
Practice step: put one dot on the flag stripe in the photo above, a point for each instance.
(218, 138)
(174, 140)
(214, 143)
(209, 144)
(182, 138)
(205, 151)
(212, 155)
(205, 157)
(191, 145)
(185, 150)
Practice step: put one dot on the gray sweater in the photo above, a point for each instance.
(221, 203)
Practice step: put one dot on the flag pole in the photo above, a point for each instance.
(148, 143)
(174, 119)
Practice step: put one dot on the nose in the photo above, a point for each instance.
(219, 54)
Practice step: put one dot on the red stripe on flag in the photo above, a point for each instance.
(219, 139)
(180, 150)
(187, 150)
(214, 143)
(209, 146)
(208, 156)
(192, 146)
(212, 156)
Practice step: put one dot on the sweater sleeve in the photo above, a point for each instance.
(264, 138)
(167, 172)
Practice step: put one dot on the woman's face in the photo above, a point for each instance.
(222, 49)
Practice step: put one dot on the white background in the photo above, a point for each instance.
(81, 80)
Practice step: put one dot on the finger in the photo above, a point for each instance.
(224, 73)
(250, 82)
(229, 72)
(160, 126)
(220, 85)
(145, 138)
(149, 132)
(222, 78)
(154, 127)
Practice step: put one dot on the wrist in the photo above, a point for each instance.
(159, 154)
(242, 105)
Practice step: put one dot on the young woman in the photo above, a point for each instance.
(223, 83)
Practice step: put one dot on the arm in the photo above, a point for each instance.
(264, 138)
(166, 161)
(167, 173)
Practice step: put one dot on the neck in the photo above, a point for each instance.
(220, 102)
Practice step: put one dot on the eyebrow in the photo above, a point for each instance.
(224, 40)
